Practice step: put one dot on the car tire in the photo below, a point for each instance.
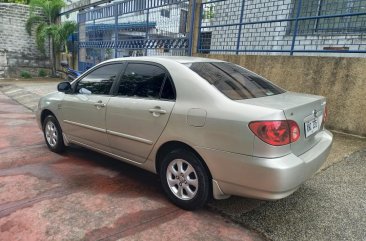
(184, 179)
(53, 134)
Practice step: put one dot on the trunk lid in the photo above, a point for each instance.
(302, 108)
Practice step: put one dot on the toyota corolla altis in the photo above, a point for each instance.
(208, 128)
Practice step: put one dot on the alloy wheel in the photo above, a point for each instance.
(182, 179)
(51, 134)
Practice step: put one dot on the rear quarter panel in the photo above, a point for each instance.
(226, 125)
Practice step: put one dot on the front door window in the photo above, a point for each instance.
(99, 82)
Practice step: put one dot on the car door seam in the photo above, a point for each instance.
(157, 140)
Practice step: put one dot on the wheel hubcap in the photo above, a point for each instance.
(182, 179)
(51, 133)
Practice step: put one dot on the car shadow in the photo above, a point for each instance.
(84, 169)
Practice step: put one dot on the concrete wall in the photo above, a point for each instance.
(341, 80)
(18, 50)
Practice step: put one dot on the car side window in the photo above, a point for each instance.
(99, 81)
(168, 92)
(142, 80)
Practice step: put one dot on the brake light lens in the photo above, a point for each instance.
(276, 133)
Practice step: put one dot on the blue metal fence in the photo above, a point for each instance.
(282, 26)
(134, 28)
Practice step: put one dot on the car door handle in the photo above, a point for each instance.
(160, 111)
(157, 111)
(99, 104)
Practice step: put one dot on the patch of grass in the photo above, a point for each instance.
(42, 73)
(25, 75)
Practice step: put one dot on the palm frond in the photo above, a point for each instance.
(46, 25)
(36, 5)
(49, 8)
(55, 8)
(61, 32)
(41, 36)
(67, 28)
(32, 20)
(53, 31)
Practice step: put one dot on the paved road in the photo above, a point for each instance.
(330, 206)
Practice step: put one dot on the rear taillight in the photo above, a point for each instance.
(276, 133)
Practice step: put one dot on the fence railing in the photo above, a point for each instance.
(282, 26)
(165, 27)
(134, 28)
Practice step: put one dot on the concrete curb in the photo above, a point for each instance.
(24, 97)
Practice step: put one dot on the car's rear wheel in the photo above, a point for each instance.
(184, 179)
(53, 134)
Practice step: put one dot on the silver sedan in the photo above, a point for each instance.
(208, 128)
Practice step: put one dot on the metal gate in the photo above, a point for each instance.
(134, 28)
(300, 27)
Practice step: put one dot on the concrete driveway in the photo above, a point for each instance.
(82, 195)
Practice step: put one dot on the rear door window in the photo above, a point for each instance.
(145, 81)
(168, 92)
(234, 81)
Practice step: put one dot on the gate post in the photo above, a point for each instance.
(298, 13)
(116, 30)
(191, 25)
(147, 31)
(196, 29)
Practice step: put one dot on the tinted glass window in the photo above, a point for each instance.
(234, 81)
(142, 80)
(99, 82)
(168, 91)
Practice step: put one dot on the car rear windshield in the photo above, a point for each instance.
(234, 81)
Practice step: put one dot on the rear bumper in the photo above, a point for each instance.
(265, 178)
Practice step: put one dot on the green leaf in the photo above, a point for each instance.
(32, 20)
(49, 8)
(41, 37)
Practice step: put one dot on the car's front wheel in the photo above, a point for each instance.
(184, 179)
(53, 134)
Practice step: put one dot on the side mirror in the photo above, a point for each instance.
(64, 87)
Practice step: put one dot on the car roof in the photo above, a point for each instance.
(178, 59)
